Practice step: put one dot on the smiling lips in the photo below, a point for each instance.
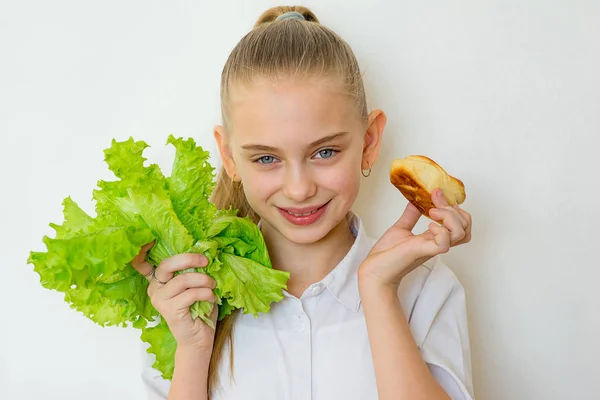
(303, 216)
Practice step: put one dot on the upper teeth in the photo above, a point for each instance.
(303, 215)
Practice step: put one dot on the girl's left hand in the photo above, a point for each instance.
(399, 251)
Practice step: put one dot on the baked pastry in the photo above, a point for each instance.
(416, 177)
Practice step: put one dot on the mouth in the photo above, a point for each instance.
(305, 215)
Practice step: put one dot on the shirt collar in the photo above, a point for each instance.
(342, 282)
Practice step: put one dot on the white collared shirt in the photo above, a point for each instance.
(316, 347)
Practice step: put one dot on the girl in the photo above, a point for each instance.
(361, 319)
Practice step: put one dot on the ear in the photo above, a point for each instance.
(225, 151)
(375, 125)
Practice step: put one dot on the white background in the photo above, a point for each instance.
(504, 94)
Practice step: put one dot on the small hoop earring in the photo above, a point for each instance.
(362, 171)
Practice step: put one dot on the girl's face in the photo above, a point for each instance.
(298, 149)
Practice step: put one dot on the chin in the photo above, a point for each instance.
(303, 235)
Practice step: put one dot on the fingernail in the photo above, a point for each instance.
(203, 260)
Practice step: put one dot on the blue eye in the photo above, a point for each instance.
(326, 153)
(265, 160)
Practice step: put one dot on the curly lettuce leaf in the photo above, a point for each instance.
(163, 346)
(202, 310)
(76, 220)
(225, 309)
(141, 198)
(89, 263)
(190, 186)
(247, 232)
(248, 285)
(115, 303)
(126, 158)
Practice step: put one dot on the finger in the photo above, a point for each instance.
(140, 263)
(179, 262)
(214, 315)
(449, 212)
(464, 215)
(431, 243)
(451, 220)
(469, 224)
(409, 217)
(182, 282)
(184, 300)
(441, 237)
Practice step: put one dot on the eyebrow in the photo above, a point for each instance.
(262, 147)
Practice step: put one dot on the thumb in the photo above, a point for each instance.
(140, 263)
(409, 218)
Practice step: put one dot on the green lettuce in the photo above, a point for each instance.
(89, 258)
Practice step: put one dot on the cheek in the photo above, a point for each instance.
(257, 187)
(343, 181)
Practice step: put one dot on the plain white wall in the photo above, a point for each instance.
(504, 94)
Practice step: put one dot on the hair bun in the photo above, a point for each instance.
(273, 13)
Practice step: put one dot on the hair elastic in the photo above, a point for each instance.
(291, 15)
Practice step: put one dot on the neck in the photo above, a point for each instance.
(308, 263)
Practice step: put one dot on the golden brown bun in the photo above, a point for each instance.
(418, 176)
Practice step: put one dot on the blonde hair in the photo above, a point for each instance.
(278, 49)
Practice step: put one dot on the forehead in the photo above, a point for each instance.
(278, 110)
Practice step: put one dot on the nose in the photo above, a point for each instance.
(299, 184)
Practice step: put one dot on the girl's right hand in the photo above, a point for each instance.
(173, 296)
